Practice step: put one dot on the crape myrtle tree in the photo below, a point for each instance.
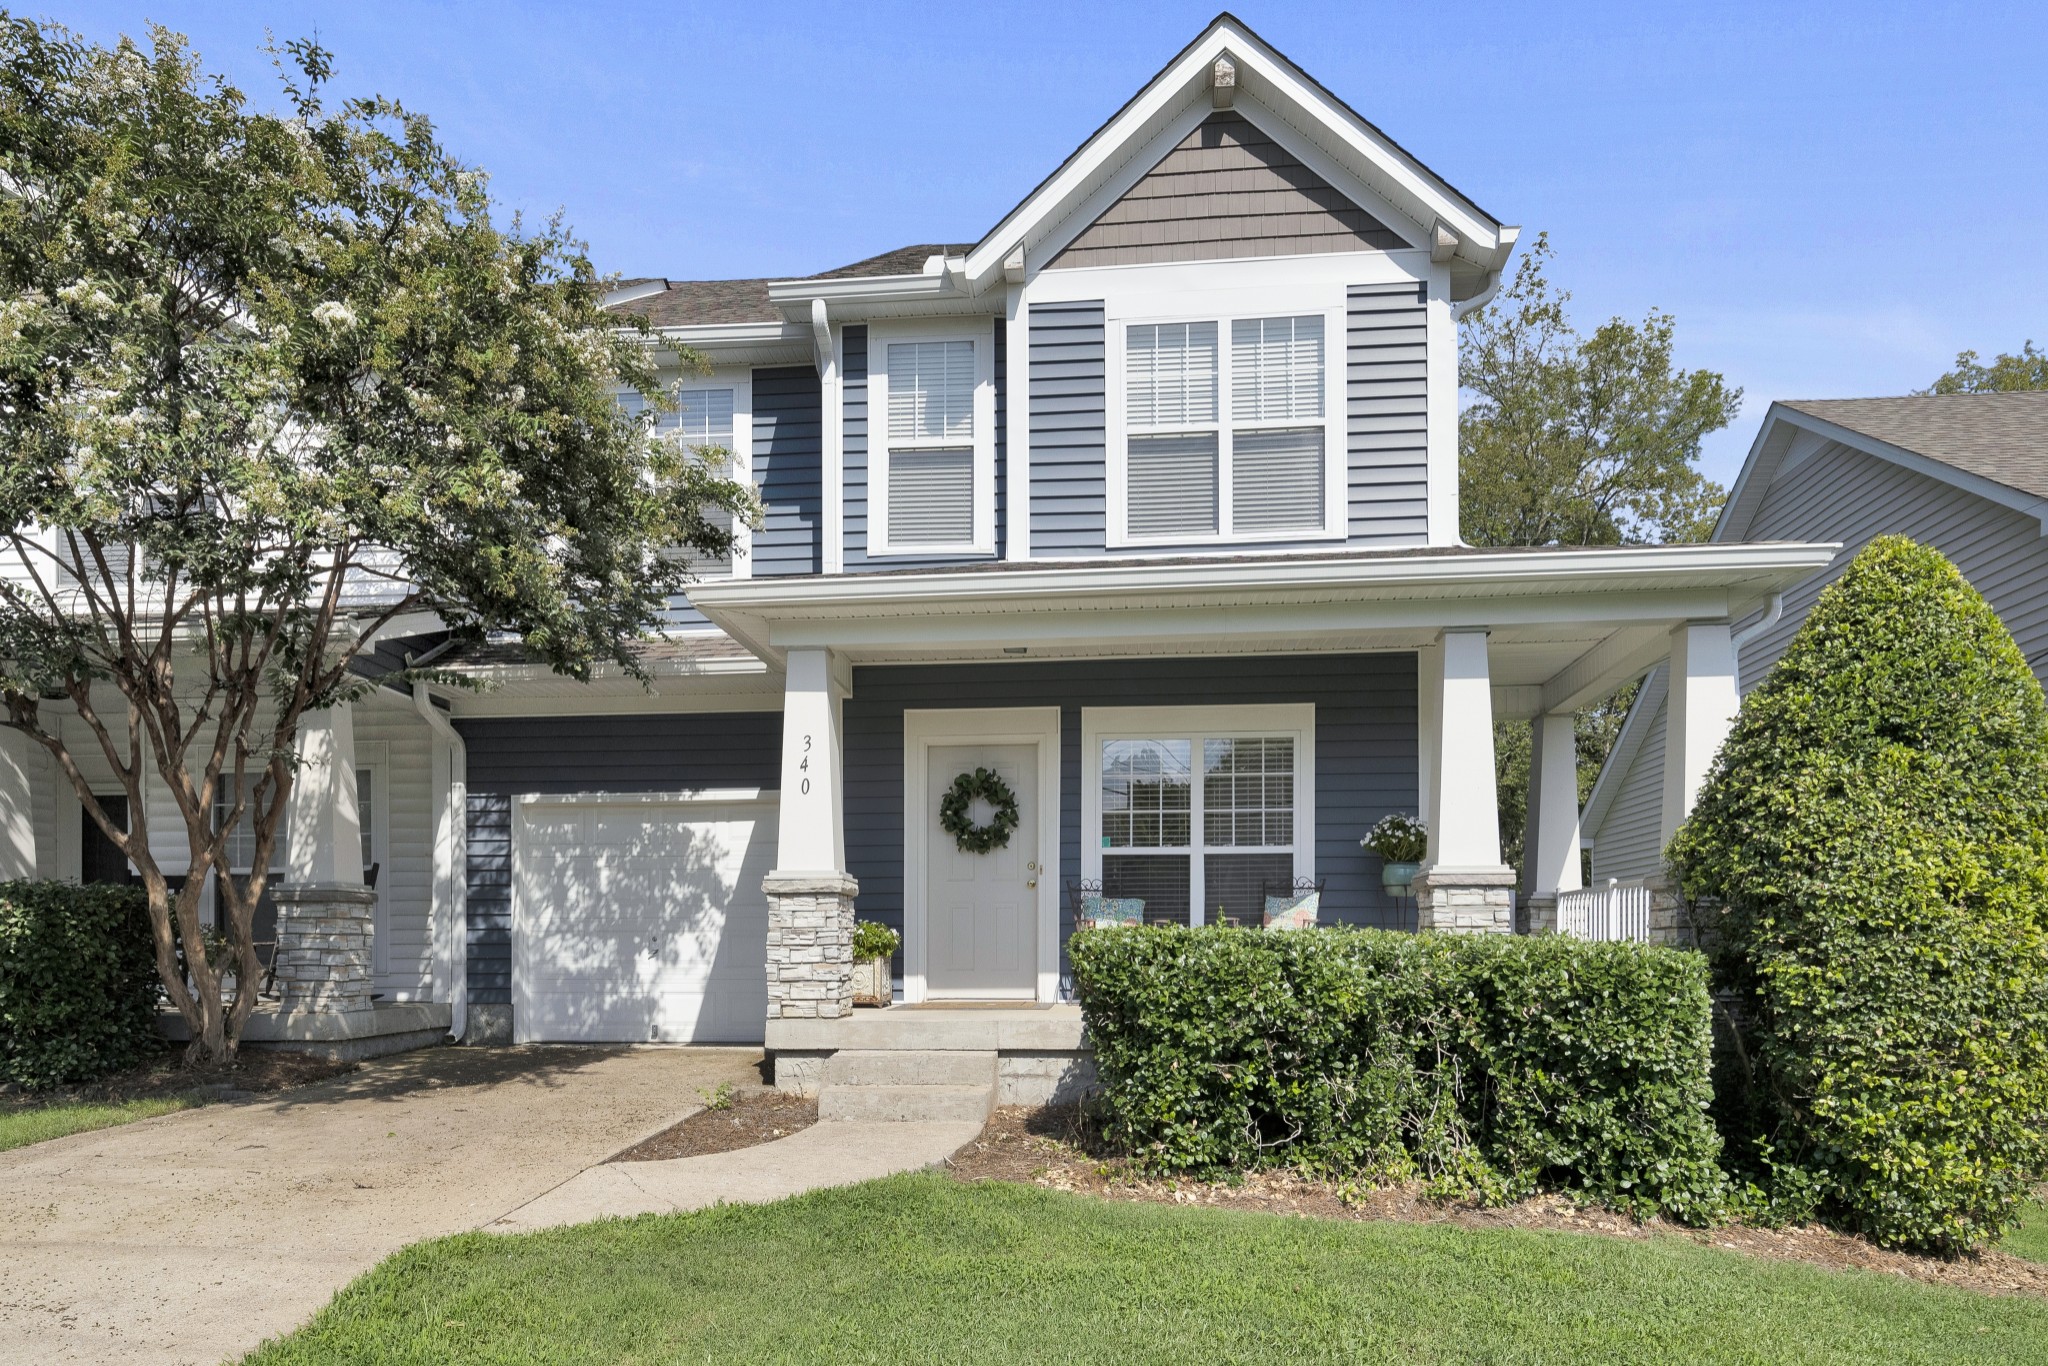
(270, 382)
(1571, 439)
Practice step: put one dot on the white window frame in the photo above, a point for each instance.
(1336, 510)
(1099, 725)
(739, 379)
(880, 335)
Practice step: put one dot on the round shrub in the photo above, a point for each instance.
(1875, 833)
(78, 983)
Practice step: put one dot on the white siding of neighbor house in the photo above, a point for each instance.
(1843, 494)
(405, 882)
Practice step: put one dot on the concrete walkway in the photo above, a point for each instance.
(192, 1238)
(827, 1154)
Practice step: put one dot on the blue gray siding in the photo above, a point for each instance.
(1387, 411)
(854, 350)
(787, 441)
(1365, 752)
(1069, 400)
(512, 756)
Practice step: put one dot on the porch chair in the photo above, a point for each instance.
(1296, 905)
(1094, 911)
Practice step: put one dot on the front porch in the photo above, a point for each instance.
(1207, 728)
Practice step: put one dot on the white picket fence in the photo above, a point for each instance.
(1610, 912)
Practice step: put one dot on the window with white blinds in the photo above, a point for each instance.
(926, 472)
(931, 393)
(703, 421)
(1220, 450)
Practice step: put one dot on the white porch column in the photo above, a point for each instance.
(1429, 725)
(1701, 709)
(1463, 884)
(1551, 847)
(810, 896)
(323, 908)
(20, 762)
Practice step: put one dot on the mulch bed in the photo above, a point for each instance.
(1057, 1149)
(756, 1114)
(256, 1071)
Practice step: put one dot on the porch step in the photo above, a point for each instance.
(910, 1067)
(906, 1103)
(908, 1084)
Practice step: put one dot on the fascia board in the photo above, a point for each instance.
(868, 288)
(1739, 563)
(1098, 623)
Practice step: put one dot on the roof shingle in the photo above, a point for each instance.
(2000, 437)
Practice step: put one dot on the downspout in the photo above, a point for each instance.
(1773, 610)
(1477, 301)
(451, 801)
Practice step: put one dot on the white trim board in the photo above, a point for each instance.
(924, 728)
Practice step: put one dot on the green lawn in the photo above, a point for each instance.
(921, 1268)
(2030, 1239)
(19, 1128)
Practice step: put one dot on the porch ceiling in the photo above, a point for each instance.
(1567, 625)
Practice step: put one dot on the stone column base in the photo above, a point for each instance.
(323, 946)
(1465, 900)
(810, 945)
(1539, 915)
(1669, 923)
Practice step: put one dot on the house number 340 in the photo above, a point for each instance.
(804, 767)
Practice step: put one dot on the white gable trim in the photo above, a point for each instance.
(1266, 81)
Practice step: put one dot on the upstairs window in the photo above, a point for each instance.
(1227, 446)
(933, 468)
(713, 420)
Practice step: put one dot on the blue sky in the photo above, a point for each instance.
(1831, 199)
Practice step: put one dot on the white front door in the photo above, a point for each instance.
(981, 910)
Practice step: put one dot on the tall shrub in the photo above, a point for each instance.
(1484, 1064)
(78, 985)
(1875, 832)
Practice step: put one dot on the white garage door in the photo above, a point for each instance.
(641, 921)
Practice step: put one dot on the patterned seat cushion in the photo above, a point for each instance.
(1296, 912)
(1108, 912)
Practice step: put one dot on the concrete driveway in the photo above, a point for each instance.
(192, 1238)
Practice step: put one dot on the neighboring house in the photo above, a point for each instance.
(1146, 500)
(1964, 473)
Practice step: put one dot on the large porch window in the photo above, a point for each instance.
(1197, 811)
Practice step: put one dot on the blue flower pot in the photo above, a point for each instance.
(1399, 878)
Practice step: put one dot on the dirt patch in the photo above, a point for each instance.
(755, 1114)
(1055, 1148)
(257, 1071)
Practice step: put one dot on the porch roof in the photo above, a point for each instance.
(1568, 624)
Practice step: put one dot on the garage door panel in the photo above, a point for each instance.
(644, 921)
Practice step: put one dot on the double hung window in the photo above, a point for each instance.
(1226, 430)
(713, 421)
(1197, 820)
(936, 449)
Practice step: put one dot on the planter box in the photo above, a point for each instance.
(871, 982)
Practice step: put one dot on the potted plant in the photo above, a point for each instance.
(874, 944)
(1401, 842)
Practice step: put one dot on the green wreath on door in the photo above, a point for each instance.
(955, 806)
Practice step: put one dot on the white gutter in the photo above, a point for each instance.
(451, 900)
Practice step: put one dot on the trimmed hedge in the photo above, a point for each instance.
(1491, 1065)
(78, 983)
(1875, 832)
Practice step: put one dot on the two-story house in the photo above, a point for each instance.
(1146, 502)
